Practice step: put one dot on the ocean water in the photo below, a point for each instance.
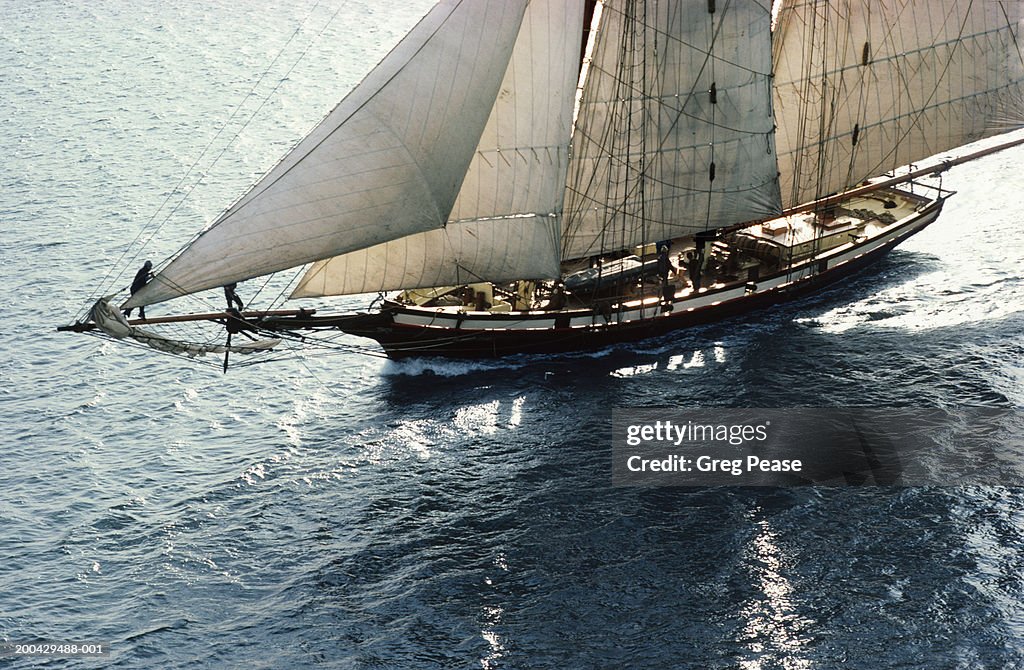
(345, 511)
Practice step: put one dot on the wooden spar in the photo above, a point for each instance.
(213, 316)
(935, 168)
(207, 316)
(892, 181)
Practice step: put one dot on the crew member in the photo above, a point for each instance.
(142, 278)
(693, 268)
(232, 297)
(664, 264)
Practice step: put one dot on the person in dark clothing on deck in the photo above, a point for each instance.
(664, 264)
(142, 278)
(232, 297)
(664, 269)
(693, 267)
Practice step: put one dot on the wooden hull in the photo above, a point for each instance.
(406, 331)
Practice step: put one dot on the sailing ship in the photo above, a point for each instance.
(556, 175)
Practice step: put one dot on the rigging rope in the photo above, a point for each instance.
(106, 284)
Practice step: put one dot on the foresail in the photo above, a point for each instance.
(674, 133)
(387, 162)
(461, 253)
(505, 224)
(862, 88)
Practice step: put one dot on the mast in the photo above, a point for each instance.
(864, 88)
(387, 162)
(682, 53)
(506, 221)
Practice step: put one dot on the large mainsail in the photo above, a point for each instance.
(674, 133)
(864, 87)
(387, 162)
(505, 224)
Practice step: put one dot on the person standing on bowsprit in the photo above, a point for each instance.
(142, 278)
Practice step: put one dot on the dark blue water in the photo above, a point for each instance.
(349, 512)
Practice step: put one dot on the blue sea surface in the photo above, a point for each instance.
(346, 511)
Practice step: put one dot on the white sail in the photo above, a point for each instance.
(648, 132)
(505, 224)
(906, 79)
(387, 162)
(498, 250)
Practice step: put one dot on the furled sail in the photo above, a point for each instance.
(387, 162)
(864, 87)
(505, 224)
(110, 320)
(674, 131)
